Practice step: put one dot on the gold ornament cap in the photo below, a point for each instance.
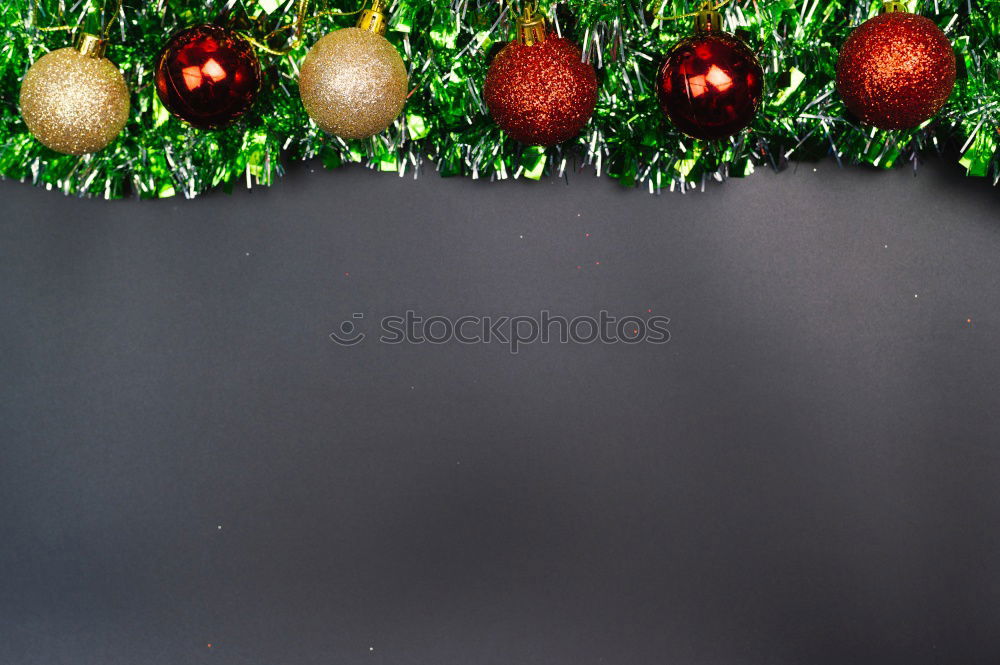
(91, 46)
(373, 19)
(707, 19)
(893, 7)
(530, 28)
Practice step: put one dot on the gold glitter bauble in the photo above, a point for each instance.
(353, 83)
(74, 103)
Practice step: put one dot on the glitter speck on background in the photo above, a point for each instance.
(541, 94)
(896, 70)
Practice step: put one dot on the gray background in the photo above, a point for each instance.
(806, 473)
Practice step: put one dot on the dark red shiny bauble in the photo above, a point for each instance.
(208, 76)
(896, 70)
(710, 85)
(541, 94)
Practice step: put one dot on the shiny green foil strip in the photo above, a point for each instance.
(447, 44)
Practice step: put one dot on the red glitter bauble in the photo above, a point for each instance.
(208, 76)
(541, 94)
(710, 85)
(896, 70)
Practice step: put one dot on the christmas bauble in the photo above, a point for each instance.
(74, 102)
(710, 85)
(353, 83)
(208, 76)
(542, 93)
(896, 70)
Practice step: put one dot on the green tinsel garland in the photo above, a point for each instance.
(446, 44)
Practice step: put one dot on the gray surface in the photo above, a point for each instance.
(806, 473)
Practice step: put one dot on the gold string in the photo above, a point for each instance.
(34, 20)
(297, 25)
(104, 33)
(706, 6)
(513, 10)
(110, 21)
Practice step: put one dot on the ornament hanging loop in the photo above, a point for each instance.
(105, 30)
(893, 7)
(110, 20)
(530, 27)
(706, 7)
(298, 26)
